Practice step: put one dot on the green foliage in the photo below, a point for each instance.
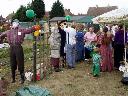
(2, 30)
(4, 53)
(21, 14)
(29, 6)
(125, 22)
(57, 10)
(39, 8)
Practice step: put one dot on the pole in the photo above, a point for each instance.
(49, 24)
(30, 14)
(34, 54)
(124, 43)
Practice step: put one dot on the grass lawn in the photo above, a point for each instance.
(72, 82)
(78, 82)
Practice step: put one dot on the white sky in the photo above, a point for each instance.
(76, 6)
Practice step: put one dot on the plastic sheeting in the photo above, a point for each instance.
(112, 16)
(32, 91)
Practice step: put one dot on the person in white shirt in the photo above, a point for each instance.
(114, 29)
(70, 46)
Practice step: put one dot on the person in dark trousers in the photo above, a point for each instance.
(61, 27)
(118, 47)
(15, 37)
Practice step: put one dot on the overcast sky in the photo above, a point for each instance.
(76, 6)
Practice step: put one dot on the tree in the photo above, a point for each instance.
(39, 8)
(29, 6)
(57, 10)
(21, 14)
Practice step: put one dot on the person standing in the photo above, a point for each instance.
(96, 58)
(99, 36)
(61, 27)
(106, 51)
(118, 47)
(55, 43)
(89, 37)
(70, 46)
(79, 46)
(15, 37)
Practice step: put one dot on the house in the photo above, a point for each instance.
(96, 11)
(74, 19)
(10, 16)
(2, 20)
(46, 16)
(86, 20)
(68, 12)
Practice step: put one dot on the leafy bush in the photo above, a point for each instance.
(4, 53)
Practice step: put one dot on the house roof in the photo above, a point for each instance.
(29, 24)
(86, 19)
(96, 11)
(10, 16)
(73, 18)
(47, 14)
(2, 19)
(68, 12)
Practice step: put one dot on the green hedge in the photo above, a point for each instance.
(4, 55)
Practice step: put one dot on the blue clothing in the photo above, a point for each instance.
(79, 51)
(80, 36)
(70, 54)
(79, 46)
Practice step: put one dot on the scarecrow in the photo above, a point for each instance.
(55, 43)
(15, 37)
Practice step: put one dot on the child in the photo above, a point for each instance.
(96, 62)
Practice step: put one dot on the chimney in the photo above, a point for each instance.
(96, 6)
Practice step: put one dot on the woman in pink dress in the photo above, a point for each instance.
(106, 51)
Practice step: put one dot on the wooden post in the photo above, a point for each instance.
(125, 59)
(34, 54)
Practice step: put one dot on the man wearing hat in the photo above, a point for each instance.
(15, 37)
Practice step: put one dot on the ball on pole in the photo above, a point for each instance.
(30, 13)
